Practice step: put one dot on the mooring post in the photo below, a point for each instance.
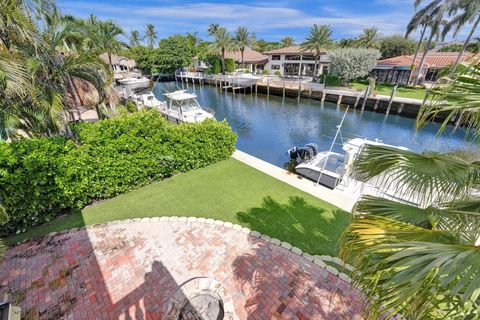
(356, 101)
(339, 101)
(392, 96)
(367, 92)
(268, 87)
(324, 95)
(284, 88)
(402, 105)
(299, 88)
(376, 105)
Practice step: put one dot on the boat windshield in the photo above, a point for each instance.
(335, 162)
(185, 105)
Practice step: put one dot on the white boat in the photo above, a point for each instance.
(184, 107)
(147, 100)
(135, 83)
(330, 168)
(242, 79)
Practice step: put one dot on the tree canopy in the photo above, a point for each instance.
(352, 63)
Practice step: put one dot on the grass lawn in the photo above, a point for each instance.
(228, 191)
(386, 90)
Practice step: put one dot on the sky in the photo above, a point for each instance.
(270, 20)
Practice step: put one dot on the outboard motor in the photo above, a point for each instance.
(303, 154)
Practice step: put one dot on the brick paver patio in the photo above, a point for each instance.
(132, 269)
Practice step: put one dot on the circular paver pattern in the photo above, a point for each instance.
(133, 270)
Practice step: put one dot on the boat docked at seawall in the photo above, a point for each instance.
(182, 106)
(329, 168)
(132, 84)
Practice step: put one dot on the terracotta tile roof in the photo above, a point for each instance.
(119, 60)
(433, 59)
(249, 56)
(290, 50)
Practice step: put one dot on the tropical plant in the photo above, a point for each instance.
(287, 41)
(194, 38)
(346, 43)
(213, 28)
(457, 99)
(262, 45)
(318, 42)
(222, 42)
(369, 39)
(396, 45)
(41, 99)
(431, 16)
(242, 39)
(135, 38)
(469, 14)
(352, 63)
(422, 261)
(151, 35)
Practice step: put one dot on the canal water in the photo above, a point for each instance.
(267, 126)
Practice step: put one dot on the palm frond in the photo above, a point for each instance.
(421, 178)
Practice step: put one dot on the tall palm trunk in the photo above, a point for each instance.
(425, 52)
(223, 60)
(465, 44)
(75, 97)
(110, 60)
(419, 44)
(242, 50)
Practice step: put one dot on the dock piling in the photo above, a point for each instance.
(339, 101)
(356, 101)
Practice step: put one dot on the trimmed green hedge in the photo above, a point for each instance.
(42, 178)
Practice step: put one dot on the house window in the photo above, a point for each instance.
(293, 57)
(275, 67)
(308, 57)
(275, 57)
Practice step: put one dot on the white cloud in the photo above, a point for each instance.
(265, 18)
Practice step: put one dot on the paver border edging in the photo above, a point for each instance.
(323, 261)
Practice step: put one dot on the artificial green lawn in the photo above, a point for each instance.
(228, 191)
(386, 90)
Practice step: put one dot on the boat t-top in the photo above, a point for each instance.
(184, 107)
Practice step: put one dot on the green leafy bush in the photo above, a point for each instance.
(265, 72)
(330, 80)
(277, 73)
(42, 178)
(230, 65)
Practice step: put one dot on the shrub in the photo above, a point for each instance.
(330, 80)
(265, 72)
(230, 65)
(277, 73)
(352, 63)
(41, 178)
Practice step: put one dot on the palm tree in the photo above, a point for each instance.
(431, 15)
(135, 38)
(420, 261)
(107, 37)
(317, 42)
(195, 40)
(459, 98)
(213, 28)
(151, 35)
(222, 42)
(242, 39)
(470, 13)
(287, 41)
(369, 39)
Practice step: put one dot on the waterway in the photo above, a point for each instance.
(267, 126)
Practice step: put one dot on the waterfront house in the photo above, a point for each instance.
(398, 69)
(252, 60)
(122, 66)
(293, 61)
